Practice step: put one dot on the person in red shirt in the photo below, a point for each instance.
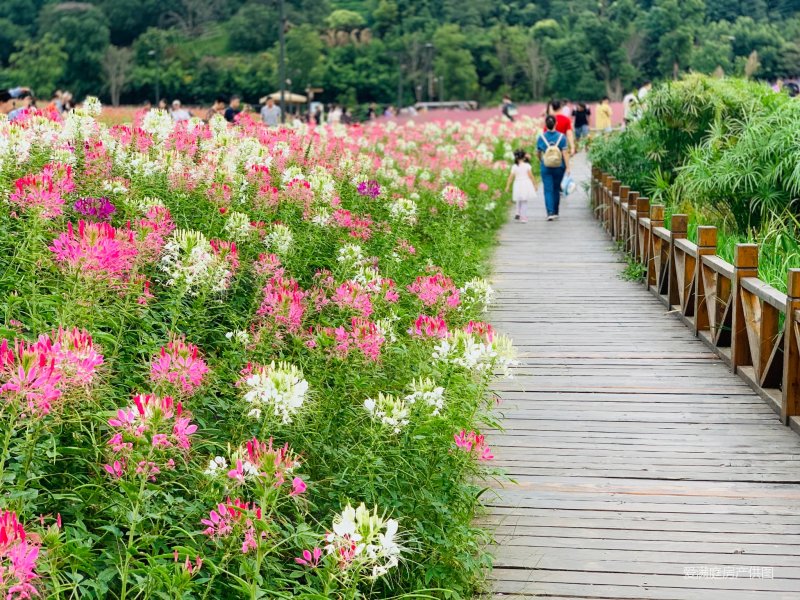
(564, 125)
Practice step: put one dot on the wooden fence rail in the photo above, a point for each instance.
(752, 326)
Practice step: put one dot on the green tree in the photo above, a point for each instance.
(385, 16)
(84, 30)
(128, 19)
(671, 27)
(253, 29)
(39, 64)
(606, 33)
(713, 49)
(304, 53)
(454, 65)
(345, 20)
(10, 34)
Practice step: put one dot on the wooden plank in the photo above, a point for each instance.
(765, 292)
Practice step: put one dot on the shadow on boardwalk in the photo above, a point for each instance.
(643, 467)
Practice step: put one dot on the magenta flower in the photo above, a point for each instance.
(74, 355)
(473, 443)
(350, 295)
(234, 518)
(298, 487)
(39, 193)
(151, 232)
(18, 558)
(150, 434)
(310, 558)
(180, 365)
(97, 208)
(359, 226)
(481, 329)
(369, 188)
(431, 327)
(95, 251)
(115, 469)
(436, 290)
(483, 187)
(283, 304)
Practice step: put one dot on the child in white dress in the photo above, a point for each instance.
(524, 184)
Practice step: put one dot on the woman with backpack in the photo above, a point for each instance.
(551, 148)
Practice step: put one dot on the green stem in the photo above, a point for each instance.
(6, 443)
(131, 535)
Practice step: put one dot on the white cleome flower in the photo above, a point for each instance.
(237, 226)
(279, 239)
(404, 209)
(369, 540)
(279, 389)
(216, 466)
(426, 391)
(189, 263)
(477, 294)
(388, 410)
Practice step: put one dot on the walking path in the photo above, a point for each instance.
(643, 468)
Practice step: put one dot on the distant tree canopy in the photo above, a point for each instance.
(387, 51)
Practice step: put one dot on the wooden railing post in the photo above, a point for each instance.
(679, 225)
(642, 212)
(615, 185)
(624, 190)
(706, 246)
(656, 220)
(593, 187)
(745, 264)
(627, 243)
(790, 407)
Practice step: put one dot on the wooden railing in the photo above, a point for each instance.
(751, 325)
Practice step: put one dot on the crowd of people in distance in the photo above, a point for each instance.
(16, 101)
(270, 111)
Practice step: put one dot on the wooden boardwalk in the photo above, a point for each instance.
(643, 467)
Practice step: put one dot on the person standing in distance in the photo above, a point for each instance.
(551, 148)
(233, 109)
(564, 125)
(603, 122)
(270, 113)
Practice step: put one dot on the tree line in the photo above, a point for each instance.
(389, 51)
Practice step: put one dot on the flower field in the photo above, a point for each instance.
(245, 363)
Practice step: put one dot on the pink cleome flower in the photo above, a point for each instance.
(37, 374)
(151, 232)
(273, 465)
(18, 558)
(351, 295)
(431, 327)
(180, 365)
(95, 251)
(39, 193)
(234, 518)
(283, 303)
(436, 289)
(363, 335)
(154, 427)
(481, 329)
(310, 558)
(473, 443)
(454, 196)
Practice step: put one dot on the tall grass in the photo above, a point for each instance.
(727, 153)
